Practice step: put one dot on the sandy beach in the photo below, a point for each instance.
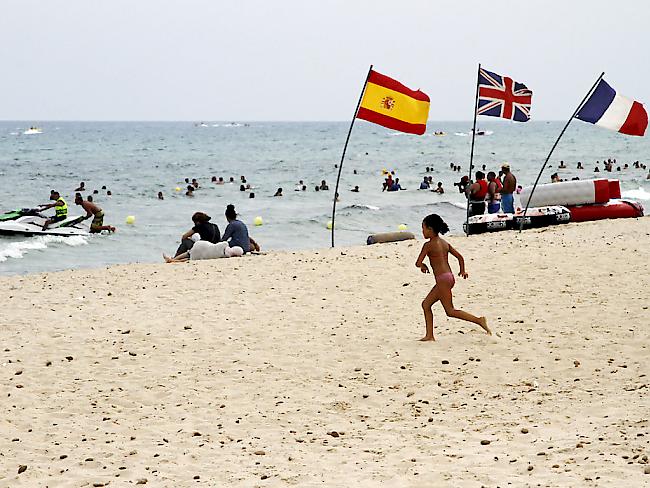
(304, 369)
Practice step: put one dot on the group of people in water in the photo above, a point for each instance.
(608, 165)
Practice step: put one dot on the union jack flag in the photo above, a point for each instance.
(499, 96)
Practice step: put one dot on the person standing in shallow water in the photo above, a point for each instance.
(438, 250)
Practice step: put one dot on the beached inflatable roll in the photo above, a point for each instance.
(614, 189)
(577, 192)
(389, 237)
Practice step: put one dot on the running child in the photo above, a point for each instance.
(438, 250)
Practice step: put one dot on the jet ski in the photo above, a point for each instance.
(29, 222)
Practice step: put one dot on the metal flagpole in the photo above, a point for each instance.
(471, 154)
(338, 178)
(521, 225)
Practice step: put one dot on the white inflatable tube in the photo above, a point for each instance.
(577, 192)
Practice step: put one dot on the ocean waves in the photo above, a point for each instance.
(18, 249)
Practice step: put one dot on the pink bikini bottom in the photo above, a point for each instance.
(446, 279)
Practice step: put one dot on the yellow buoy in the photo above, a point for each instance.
(178, 188)
(130, 220)
(258, 221)
(329, 225)
(402, 226)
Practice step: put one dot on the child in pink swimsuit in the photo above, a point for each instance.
(438, 250)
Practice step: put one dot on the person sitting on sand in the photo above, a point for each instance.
(92, 210)
(206, 250)
(206, 230)
(438, 250)
(236, 231)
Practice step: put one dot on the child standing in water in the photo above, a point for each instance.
(438, 250)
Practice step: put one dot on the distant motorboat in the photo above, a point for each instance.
(483, 132)
(33, 130)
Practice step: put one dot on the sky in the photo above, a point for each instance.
(305, 60)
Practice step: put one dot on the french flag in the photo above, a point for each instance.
(608, 109)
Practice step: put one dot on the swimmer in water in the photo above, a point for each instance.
(438, 250)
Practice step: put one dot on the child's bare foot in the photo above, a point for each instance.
(167, 258)
(484, 325)
(427, 338)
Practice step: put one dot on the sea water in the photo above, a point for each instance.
(136, 160)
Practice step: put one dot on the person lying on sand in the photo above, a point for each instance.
(438, 250)
(206, 250)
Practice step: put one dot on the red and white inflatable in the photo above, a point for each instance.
(614, 209)
(577, 192)
(585, 199)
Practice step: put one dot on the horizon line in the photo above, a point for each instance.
(198, 121)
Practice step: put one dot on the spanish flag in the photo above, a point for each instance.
(389, 103)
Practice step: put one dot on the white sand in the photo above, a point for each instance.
(187, 370)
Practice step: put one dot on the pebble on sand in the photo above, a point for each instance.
(22, 468)
(485, 442)
(141, 481)
(524, 430)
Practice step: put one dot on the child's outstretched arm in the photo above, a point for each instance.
(420, 262)
(461, 261)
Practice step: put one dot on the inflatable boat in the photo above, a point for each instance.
(614, 209)
(586, 199)
(535, 217)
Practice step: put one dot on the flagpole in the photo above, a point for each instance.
(521, 225)
(471, 154)
(338, 177)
